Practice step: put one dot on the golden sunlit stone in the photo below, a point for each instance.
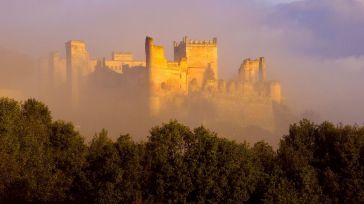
(175, 86)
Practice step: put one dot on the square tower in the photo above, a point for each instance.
(78, 59)
(78, 66)
(201, 57)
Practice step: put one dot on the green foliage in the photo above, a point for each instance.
(319, 164)
(9, 145)
(112, 173)
(197, 167)
(38, 157)
(265, 160)
(69, 155)
(222, 171)
(45, 161)
(166, 176)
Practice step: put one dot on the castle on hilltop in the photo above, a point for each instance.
(249, 98)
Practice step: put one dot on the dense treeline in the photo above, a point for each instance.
(45, 161)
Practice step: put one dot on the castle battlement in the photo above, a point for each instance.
(192, 74)
(186, 41)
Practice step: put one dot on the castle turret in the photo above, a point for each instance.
(148, 54)
(202, 59)
(154, 65)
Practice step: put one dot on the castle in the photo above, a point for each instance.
(192, 77)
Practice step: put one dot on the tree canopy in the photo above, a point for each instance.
(46, 161)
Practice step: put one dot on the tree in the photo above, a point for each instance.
(131, 158)
(166, 178)
(98, 181)
(295, 155)
(222, 171)
(69, 155)
(320, 164)
(265, 160)
(42, 161)
(25, 130)
(9, 147)
(337, 162)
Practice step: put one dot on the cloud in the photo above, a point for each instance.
(352, 64)
(315, 48)
(335, 25)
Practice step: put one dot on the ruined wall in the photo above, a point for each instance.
(248, 100)
(253, 70)
(253, 74)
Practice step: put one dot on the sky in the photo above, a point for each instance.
(314, 47)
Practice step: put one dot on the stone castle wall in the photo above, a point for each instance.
(201, 57)
(174, 85)
(167, 79)
(122, 60)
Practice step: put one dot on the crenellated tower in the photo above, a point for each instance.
(201, 57)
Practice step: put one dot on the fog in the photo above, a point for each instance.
(314, 47)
